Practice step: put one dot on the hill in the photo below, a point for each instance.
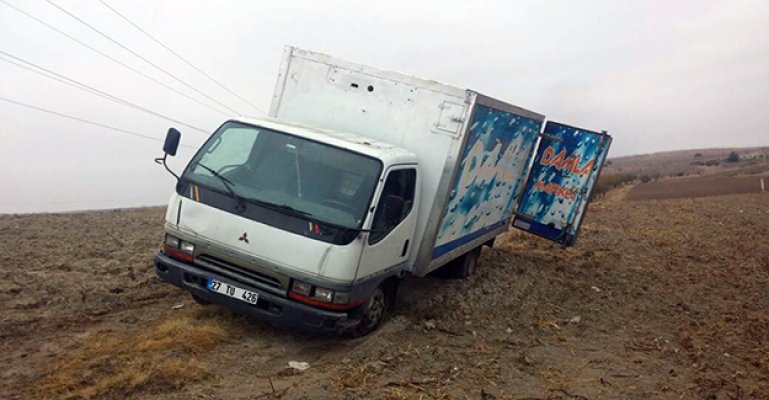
(688, 162)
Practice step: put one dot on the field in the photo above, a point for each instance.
(658, 299)
(712, 185)
(688, 173)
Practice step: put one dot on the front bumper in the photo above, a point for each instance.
(278, 311)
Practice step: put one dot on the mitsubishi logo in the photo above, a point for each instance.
(243, 237)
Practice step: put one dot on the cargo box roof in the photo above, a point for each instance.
(360, 144)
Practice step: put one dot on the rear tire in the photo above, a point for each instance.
(463, 267)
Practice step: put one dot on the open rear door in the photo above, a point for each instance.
(566, 166)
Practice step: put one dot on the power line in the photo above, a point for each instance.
(132, 133)
(122, 64)
(179, 56)
(79, 85)
(186, 34)
(139, 56)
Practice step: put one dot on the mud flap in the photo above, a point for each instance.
(566, 165)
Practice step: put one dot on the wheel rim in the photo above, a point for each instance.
(375, 309)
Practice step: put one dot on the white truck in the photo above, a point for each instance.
(309, 218)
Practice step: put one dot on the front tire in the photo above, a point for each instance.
(376, 309)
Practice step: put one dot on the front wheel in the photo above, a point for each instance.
(375, 309)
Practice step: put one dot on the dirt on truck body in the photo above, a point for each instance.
(660, 299)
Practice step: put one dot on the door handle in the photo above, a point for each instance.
(405, 248)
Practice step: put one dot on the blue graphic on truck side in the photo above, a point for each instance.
(490, 176)
(565, 168)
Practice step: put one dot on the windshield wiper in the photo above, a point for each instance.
(240, 203)
(284, 208)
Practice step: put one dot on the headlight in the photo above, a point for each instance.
(187, 247)
(171, 241)
(302, 288)
(310, 293)
(323, 294)
(179, 249)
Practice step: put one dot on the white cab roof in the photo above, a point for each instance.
(386, 152)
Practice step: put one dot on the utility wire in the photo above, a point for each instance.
(122, 64)
(170, 50)
(180, 31)
(132, 133)
(139, 56)
(79, 85)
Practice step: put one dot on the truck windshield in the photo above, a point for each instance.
(300, 176)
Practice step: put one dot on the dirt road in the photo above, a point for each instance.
(659, 299)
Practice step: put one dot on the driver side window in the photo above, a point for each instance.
(395, 203)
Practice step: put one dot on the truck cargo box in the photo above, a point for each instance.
(475, 152)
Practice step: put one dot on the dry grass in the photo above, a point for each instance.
(166, 355)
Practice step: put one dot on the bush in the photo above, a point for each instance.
(607, 182)
(733, 157)
(708, 163)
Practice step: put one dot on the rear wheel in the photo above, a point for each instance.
(463, 267)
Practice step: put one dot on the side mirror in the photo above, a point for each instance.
(393, 208)
(172, 141)
(169, 148)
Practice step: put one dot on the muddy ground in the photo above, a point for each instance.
(659, 299)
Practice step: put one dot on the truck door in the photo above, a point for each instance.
(566, 165)
(389, 242)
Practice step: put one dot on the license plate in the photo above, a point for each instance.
(232, 291)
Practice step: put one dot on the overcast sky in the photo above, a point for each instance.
(658, 75)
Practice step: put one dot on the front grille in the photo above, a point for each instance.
(236, 272)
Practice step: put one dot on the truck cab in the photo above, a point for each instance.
(297, 224)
